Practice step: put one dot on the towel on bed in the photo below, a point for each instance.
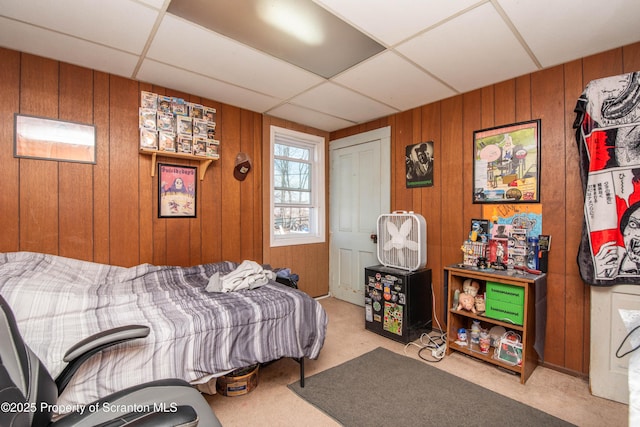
(248, 275)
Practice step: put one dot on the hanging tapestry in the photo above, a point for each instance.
(608, 136)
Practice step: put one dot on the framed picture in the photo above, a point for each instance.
(419, 164)
(49, 139)
(177, 191)
(506, 163)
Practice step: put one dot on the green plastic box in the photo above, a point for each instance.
(500, 310)
(505, 293)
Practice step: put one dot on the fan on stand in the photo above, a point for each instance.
(402, 240)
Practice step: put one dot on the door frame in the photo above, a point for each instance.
(382, 134)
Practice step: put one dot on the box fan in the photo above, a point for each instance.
(402, 240)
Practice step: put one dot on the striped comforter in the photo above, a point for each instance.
(59, 301)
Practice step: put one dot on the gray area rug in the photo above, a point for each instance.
(382, 388)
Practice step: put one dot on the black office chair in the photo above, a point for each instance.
(28, 392)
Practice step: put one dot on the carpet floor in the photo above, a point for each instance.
(273, 404)
(383, 388)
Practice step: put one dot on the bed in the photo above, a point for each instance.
(195, 335)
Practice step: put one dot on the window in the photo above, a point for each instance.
(297, 188)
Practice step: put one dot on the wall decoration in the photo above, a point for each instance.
(506, 163)
(50, 139)
(608, 135)
(506, 217)
(177, 191)
(174, 125)
(419, 164)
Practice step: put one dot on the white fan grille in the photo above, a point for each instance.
(402, 241)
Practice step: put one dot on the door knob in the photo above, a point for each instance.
(374, 237)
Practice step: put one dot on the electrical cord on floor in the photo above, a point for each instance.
(431, 345)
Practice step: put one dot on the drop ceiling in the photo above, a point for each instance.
(382, 56)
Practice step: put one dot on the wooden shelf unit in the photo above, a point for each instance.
(202, 169)
(455, 276)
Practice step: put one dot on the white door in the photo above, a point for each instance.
(608, 374)
(359, 189)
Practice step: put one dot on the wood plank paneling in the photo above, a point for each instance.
(431, 131)
(576, 291)
(402, 197)
(76, 179)
(247, 190)
(124, 195)
(101, 225)
(631, 58)
(548, 105)
(453, 228)
(473, 111)
(231, 188)
(39, 178)
(258, 180)
(505, 102)
(523, 98)
(9, 172)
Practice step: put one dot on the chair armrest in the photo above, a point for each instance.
(89, 346)
(182, 416)
(178, 416)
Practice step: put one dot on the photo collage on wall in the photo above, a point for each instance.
(174, 125)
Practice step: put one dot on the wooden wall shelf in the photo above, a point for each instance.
(202, 168)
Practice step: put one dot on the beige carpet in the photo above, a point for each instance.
(273, 404)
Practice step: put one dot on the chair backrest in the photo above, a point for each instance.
(22, 374)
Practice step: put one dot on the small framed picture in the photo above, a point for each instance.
(419, 162)
(52, 139)
(177, 191)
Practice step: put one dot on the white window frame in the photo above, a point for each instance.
(317, 220)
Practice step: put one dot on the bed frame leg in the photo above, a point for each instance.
(300, 361)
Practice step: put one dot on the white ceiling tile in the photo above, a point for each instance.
(394, 81)
(393, 21)
(471, 51)
(122, 24)
(308, 117)
(185, 81)
(592, 26)
(216, 56)
(337, 101)
(56, 46)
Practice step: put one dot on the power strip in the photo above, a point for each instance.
(438, 353)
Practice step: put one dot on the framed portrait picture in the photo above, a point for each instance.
(177, 191)
(506, 163)
(49, 139)
(419, 164)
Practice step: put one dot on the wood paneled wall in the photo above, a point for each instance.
(550, 95)
(107, 212)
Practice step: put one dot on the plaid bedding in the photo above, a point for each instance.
(59, 301)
